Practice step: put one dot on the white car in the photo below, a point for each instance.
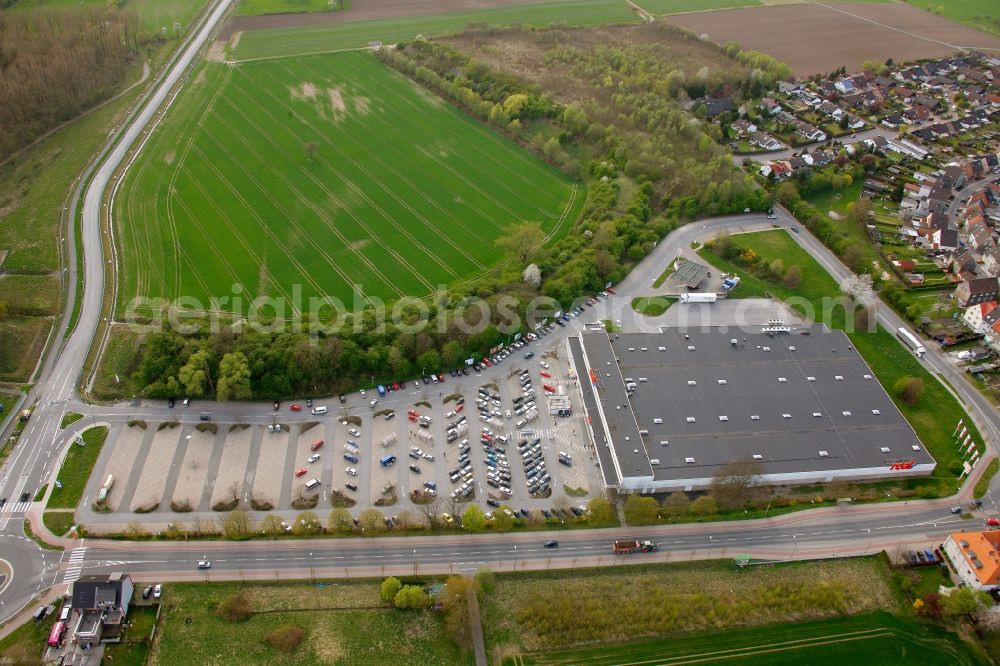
(285, 526)
(543, 364)
(362, 393)
(428, 456)
(354, 431)
(157, 591)
(204, 564)
(373, 403)
(314, 457)
(352, 471)
(449, 415)
(416, 449)
(508, 414)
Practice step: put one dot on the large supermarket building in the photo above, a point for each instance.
(666, 410)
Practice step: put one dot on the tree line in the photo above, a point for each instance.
(55, 63)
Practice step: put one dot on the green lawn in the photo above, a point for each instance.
(252, 7)
(981, 14)
(330, 37)
(935, 415)
(404, 193)
(352, 628)
(667, 272)
(76, 469)
(652, 306)
(872, 638)
(26, 643)
(58, 522)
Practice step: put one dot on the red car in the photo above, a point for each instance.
(993, 522)
(300, 471)
(411, 412)
(413, 417)
(296, 408)
(610, 290)
(395, 387)
(545, 374)
(440, 378)
(460, 408)
(318, 444)
(488, 363)
(548, 388)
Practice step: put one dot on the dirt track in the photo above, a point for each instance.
(362, 10)
(819, 38)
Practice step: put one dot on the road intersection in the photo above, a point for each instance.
(34, 462)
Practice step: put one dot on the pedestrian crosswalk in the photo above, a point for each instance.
(75, 565)
(16, 507)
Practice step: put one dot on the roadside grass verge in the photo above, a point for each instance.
(344, 622)
(76, 469)
(935, 415)
(983, 485)
(667, 272)
(58, 522)
(69, 418)
(257, 7)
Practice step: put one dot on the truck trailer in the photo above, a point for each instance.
(625, 547)
(699, 298)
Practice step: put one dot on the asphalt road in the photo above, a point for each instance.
(848, 530)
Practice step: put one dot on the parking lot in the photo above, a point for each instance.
(428, 446)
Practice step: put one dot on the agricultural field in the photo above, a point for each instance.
(325, 172)
(344, 623)
(290, 35)
(257, 7)
(981, 14)
(851, 33)
(875, 639)
(664, 7)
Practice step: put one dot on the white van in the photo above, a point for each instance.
(319, 410)
(312, 483)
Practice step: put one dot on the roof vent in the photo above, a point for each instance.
(692, 382)
(663, 349)
(782, 380)
(810, 379)
(690, 419)
(915, 447)
(817, 414)
(631, 348)
(723, 418)
(791, 348)
(824, 454)
(885, 449)
(689, 460)
(978, 564)
(645, 349)
(767, 349)
(876, 412)
(690, 347)
(643, 379)
(867, 376)
(657, 421)
(654, 461)
(754, 417)
(757, 456)
(664, 442)
(963, 543)
(733, 341)
(846, 413)
(972, 555)
(722, 382)
(786, 416)
(839, 378)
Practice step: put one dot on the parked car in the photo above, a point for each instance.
(296, 408)
(277, 405)
(300, 472)
(314, 457)
(956, 510)
(147, 591)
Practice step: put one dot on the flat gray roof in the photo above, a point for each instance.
(690, 273)
(803, 401)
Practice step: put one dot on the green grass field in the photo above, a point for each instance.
(153, 14)
(981, 14)
(404, 192)
(344, 623)
(253, 7)
(652, 306)
(665, 7)
(873, 638)
(935, 415)
(331, 37)
(76, 469)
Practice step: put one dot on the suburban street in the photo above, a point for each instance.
(28, 570)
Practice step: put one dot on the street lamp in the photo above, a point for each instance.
(795, 547)
(515, 557)
(414, 561)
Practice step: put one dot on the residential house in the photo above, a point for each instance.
(769, 106)
(99, 607)
(916, 114)
(977, 290)
(780, 170)
(991, 261)
(960, 261)
(976, 558)
(765, 141)
(945, 239)
(743, 127)
(855, 122)
(808, 131)
(789, 87)
(830, 109)
(975, 316)
(844, 86)
(980, 239)
(717, 105)
(893, 121)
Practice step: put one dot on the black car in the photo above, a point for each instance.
(170, 403)
(524, 512)
(146, 591)
(277, 405)
(427, 380)
(551, 544)
(546, 513)
(351, 486)
(3, 500)
(414, 469)
(465, 371)
(493, 503)
(343, 398)
(309, 402)
(25, 496)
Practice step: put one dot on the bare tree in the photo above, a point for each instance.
(310, 148)
(737, 482)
